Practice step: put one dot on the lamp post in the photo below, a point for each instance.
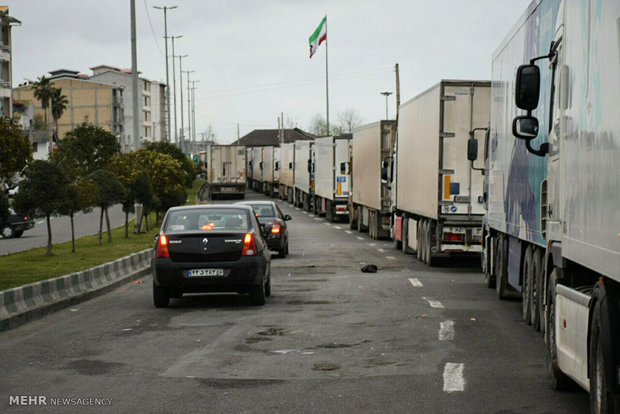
(181, 96)
(189, 105)
(174, 87)
(165, 9)
(386, 94)
(194, 82)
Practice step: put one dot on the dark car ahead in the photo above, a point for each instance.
(15, 225)
(274, 224)
(215, 248)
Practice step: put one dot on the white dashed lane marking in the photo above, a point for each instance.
(348, 231)
(337, 227)
(381, 250)
(453, 379)
(360, 238)
(434, 303)
(390, 257)
(415, 282)
(446, 331)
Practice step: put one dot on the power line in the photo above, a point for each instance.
(152, 30)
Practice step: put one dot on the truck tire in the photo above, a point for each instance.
(501, 277)
(535, 303)
(489, 276)
(559, 381)
(372, 225)
(7, 232)
(430, 260)
(419, 241)
(329, 214)
(360, 222)
(601, 400)
(398, 244)
(526, 300)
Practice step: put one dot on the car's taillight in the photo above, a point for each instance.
(275, 228)
(162, 247)
(249, 247)
(453, 237)
(26, 218)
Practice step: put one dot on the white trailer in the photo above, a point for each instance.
(331, 177)
(249, 169)
(257, 169)
(225, 167)
(303, 175)
(287, 174)
(553, 221)
(439, 196)
(369, 203)
(271, 170)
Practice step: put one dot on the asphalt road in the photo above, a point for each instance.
(331, 339)
(85, 225)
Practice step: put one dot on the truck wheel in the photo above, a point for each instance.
(7, 232)
(535, 301)
(601, 400)
(526, 300)
(430, 260)
(161, 297)
(402, 244)
(372, 225)
(559, 381)
(489, 277)
(500, 265)
(360, 225)
(419, 241)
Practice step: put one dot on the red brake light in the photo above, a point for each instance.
(453, 237)
(162, 247)
(26, 218)
(249, 247)
(275, 228)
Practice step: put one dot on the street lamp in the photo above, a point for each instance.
(386, 94)
(165, 9)
(181, 96)
(174, 87)
(189, 105)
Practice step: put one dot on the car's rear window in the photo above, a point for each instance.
(192, 220)
(263, 210)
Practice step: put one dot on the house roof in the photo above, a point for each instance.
(269, 137)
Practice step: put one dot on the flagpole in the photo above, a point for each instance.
(326, 80)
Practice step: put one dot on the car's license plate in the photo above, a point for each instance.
(228, 189)
(205, 272)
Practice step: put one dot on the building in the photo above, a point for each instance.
(152, 120)
(6, 67)
(93, 102)
(271, 137)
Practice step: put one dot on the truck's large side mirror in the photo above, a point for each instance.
(472, 149)
(525, 127)
(527, 88)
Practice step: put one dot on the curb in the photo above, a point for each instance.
(29, 302)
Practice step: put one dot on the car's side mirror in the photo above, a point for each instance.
(525, 127)
(527, 87)
(287, 217)
(472, 149)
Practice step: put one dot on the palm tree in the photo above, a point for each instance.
(59, 104)
(43, 92)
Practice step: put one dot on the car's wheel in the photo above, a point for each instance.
(161, 297)
(559, 381)
(286, 248)
(268, 287)
(527, 286)
(7, 232)
(282, 252)
(535, 301)
(19, 233)
(257, 294)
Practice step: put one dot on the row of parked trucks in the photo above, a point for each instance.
(522, 171)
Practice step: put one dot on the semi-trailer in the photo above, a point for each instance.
(257, 169)
(225, 167)
(303, 175)
(331, 176)
(439, 191)
(287, 174)
(552, 229)
(249, 169)
(369, 201)
(271, 170)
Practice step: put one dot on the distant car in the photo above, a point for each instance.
(15, 225)
(214, 248)
(273, 222)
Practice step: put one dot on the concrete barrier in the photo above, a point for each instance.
(22, 304)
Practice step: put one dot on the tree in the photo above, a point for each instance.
(15, 150)
(176, 153)
(43, 90)
(318, 125)
(42, 193)
(127, 171)
(349, 119)
(86, 149)
(143, 193)
(81, 196)
(59, 104)
(109, 192)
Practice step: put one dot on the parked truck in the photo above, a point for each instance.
(369, 202)
(552, 229)
(225, 167)
(303, 175)
(249, 168)
(439, 193)
(271, 170)
(257, 169)
(287, 174)
(331, 176)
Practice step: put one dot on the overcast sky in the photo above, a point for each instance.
(251, 57)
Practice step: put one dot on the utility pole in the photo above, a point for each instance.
(397, 92)
(189, 106)
(386, 94)
(282, 125)
(181, 93)
(238, 133)
(194, 82)
(174, 87)
(165, 9)
(134, 78)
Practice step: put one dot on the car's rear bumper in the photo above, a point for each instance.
(238, 276)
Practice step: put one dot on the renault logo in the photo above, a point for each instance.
(205, 241)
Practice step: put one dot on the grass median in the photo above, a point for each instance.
(34, 265)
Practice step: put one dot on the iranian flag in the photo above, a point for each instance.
(318, 37)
